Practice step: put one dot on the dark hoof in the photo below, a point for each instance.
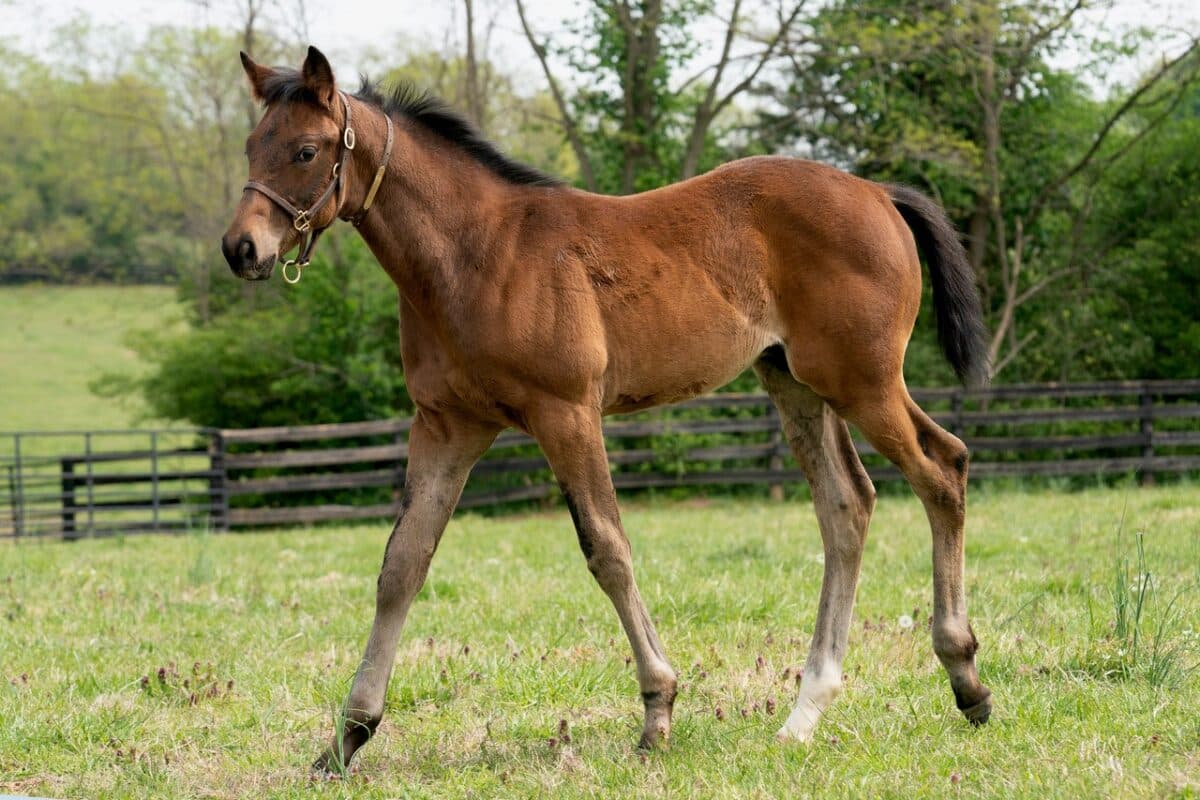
(330, 767)
(656, 731)
(654, 739)
(335, 761)
(979, 713)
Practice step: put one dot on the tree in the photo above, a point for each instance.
(524, 125)
(1145, 231)
(125, 166)
(327, 352)
(87, 197)
(632, 123)
(961, 100)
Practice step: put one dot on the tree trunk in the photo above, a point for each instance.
(252, 9)
(474, 92)
(637, 84)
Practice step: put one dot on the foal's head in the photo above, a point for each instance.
(292, 153)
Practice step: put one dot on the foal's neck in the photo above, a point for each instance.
(438, 211)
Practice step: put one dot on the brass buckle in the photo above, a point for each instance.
(302, 223)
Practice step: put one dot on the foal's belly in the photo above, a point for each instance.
(666, 358)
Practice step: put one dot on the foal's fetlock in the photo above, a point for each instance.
(956, 650)
(973, 699)
(357, 729)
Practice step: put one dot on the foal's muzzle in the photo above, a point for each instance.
(244, 258)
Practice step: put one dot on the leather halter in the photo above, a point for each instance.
(302, 219)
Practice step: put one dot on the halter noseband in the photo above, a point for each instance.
(302, 218)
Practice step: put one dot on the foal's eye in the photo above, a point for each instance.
(306, 154)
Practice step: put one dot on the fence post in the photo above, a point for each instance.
(91, 485)
(12, 494)
(67, 486)
(1146, 405)
(775, 459)
(18, 489)
(218, 491)
(154, 499)
(956, 410)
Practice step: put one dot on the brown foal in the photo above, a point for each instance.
(526, 303)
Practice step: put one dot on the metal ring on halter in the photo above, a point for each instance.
(291, 262)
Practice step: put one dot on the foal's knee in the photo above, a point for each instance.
(957, 459)
(605, 550)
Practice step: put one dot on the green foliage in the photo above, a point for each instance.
(634, 119)
(1068, 239)
(324, 350)
(123, 167)
(86, 195)
(1149, 212)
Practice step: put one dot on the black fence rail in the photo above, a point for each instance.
(106, 482)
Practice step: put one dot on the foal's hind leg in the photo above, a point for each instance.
(843, 498)
(573, 443)
(934, 462)
(442, 449)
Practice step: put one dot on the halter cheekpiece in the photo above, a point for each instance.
(302, 219)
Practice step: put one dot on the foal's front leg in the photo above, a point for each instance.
(572, 440)
(441, 452)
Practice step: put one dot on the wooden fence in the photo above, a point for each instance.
(97, 483)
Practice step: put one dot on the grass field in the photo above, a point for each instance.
(211, 666)
(54, 340)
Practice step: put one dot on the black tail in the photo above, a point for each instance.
(961, 330)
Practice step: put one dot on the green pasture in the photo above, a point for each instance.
(55, 340)
(212, 666)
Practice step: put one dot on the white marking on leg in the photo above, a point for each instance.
(818, 688)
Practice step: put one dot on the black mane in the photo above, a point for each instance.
(439, 118)
(423, 108)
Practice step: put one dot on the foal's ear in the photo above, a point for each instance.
(318, 75)
(257, 74)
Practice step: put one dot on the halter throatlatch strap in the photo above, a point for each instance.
(302, 219)
(387, 157)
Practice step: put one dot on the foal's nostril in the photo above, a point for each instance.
(246, 253)
(241, 254)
